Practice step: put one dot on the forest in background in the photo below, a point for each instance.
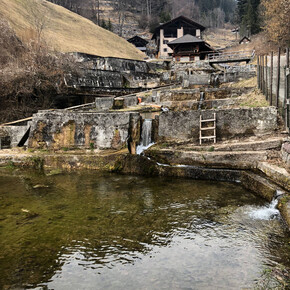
(211, 13)
(251, 16)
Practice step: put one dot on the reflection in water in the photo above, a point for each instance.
(93, 231)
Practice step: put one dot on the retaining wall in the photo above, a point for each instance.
(13, 134)
(285, 152)
(231, 123)
(106, 103)
(64, 129)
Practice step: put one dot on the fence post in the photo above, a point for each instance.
(266, 76)
(287, 97)
(271, 79)
(262, 73)
(258, 71)
(278, 78)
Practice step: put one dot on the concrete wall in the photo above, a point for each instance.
(14, 133)
(64, 129)
(109, 72)
(194, 94)
(201, 73)
(106, 103)
(285, 153)
(164, 96)
(207, 104)
(184, 125)
(111, 63)
(111, 79)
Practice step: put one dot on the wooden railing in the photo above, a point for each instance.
(231, 55)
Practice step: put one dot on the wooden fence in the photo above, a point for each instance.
(231, 55)
(274, 79)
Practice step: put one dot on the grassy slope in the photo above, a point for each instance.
(66, 31)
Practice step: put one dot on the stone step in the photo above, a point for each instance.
(222, 159)
(278, 174)
(268, 144)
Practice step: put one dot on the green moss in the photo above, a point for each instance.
(10, 165)
(36, 162)
(211, 149)
(54, 172)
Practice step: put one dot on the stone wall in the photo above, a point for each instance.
(184, 125)
(14, 134)
(285, 152)
(64, 129)
(119, 64)
(112, 63)
(106, 103)
(207, 104)
(194, 94)
(201, 73)
(110, 72)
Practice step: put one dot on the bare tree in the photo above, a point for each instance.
(121, 7)
(38, 21)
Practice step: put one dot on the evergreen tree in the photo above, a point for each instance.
(103, 24)
(248, 16)
(109, 25)
(165, 16)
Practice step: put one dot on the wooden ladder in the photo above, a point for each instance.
(202, 129)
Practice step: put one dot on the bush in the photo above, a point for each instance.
(30, 74)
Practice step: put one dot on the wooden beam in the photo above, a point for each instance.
(16, 122)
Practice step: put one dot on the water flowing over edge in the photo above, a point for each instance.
(267, 212)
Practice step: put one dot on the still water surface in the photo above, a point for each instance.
(100, 231)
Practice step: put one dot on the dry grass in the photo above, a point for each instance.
(254, 99)
(220, 37)
(259, 43)
(247, 83)
(65, 31)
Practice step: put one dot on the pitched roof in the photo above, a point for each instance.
(244, 38)
(182, 18)
(186, 39)
(136, 37)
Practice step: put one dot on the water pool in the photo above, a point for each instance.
(105, 231)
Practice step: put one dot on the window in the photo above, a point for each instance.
(165, 49)
(177, 58)
(165, 41)
(191, 58)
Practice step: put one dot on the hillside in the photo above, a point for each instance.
(63, 30)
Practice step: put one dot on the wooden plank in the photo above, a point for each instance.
(207, 128)
(208, 137)
(208, 120)
(200, 120)
(17, 121)
(214, 115)
(287, 91)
